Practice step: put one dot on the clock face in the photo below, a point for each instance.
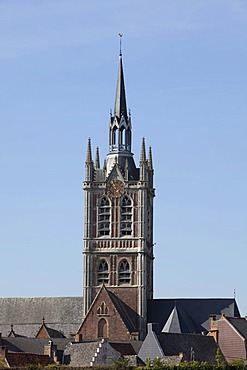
(116, 188)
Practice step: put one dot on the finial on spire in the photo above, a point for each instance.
(89, 152)
(120, 42)
(97, 163)
(150, 159)
(143, 153)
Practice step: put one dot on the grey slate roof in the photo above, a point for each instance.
(193, 346)
(61, 313)
(172, 325)
(240, 323)
(192, 313)
(80, 354)
(204, 347)
(121, 308)
(32, 345)
(53, 333)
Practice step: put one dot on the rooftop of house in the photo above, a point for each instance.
(32, 345)
(240, 324)
(193, 347)
(189, 315)
(63, 314)
(21, 359)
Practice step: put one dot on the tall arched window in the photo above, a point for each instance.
(128, 138)
(122, 137)
(102, 328)
(103, 273)
(104, 217)
(124, 272)
(126, 216)
(114, 135)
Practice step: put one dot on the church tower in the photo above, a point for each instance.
(118, 232)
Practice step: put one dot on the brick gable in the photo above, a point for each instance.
(104, 307)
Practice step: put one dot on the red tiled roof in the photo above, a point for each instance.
(17, 359)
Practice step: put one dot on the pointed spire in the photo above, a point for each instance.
(97, 164)
(143, 161)
(89, 166)
(150, 158)
(120, 107)
(143, 152)
(172, 324)
(89, 152)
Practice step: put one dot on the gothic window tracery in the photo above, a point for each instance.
(102, 309)
(126, 216)
(103, 272)
(104, 217)
(124, 272)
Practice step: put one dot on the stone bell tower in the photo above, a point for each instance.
(118, 231)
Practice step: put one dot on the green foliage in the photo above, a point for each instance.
(33, 367)
(218, 358)
(121, 363)
(53, 366)
(148, 363)
(238, 364)
(157, 364)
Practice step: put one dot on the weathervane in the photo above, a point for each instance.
(120, 40)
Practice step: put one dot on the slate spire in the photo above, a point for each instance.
(120, 107)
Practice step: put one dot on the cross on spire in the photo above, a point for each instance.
(120, 43)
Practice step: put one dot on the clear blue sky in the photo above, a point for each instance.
(186, 78)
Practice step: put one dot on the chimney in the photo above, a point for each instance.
(213, 327)
(153, 327)
(4, 351)
(51, 350)
(211, 319)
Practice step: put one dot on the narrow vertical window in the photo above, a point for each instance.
(102, 328)
(128, 138)
(122, 137)
(103, 273)
(124, 272)
(126, 216)
(104, 217)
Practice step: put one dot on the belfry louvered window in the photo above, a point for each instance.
(124, 272)
(104, 217)
(103, 272)
(126, 216)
